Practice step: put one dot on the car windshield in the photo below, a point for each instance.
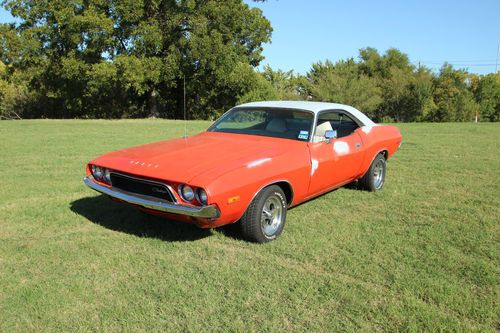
(274, 122)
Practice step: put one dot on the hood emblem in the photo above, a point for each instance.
(144, 164)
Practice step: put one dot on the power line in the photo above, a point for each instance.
(433, 64)
(496, 63)
(457, 61)
(466, 65)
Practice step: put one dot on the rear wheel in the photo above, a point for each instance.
(265, 217)
(374, 178)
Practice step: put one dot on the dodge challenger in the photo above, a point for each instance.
(255, 162)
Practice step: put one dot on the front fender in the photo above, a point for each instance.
(234, 190)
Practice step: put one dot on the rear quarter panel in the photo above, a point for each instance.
(377, 139)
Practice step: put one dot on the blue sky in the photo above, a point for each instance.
(464, 33)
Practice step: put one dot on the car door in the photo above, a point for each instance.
(336, 162)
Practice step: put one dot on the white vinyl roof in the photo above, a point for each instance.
(315, 107)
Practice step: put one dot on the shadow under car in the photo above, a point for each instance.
(119, 217)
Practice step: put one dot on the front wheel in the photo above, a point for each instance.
(374, 178)
(265, 217)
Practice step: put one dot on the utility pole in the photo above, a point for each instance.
(184, 104)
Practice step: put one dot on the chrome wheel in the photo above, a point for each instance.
(265, 216)
(378, 174)
(272, 215)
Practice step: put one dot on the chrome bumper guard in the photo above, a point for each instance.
(208, 212)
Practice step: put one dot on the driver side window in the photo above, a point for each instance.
(334, 120)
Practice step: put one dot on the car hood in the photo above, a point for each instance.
(183, 159)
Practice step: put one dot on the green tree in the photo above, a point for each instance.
(287, 85)
(486, 90)
(343, 82)
(132, 57)
(418, 103)
(13, 96)
(453, 98)
(262, 90)
(138, 58)
(394, 75)
(276, 85)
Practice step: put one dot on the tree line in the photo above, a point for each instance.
(155, 58)
(389, 88)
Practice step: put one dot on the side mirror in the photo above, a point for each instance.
(330, 134)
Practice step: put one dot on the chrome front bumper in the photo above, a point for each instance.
(208, 212)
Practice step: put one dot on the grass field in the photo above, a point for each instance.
(421, 255)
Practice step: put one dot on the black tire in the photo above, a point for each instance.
(374, 178)
(258, 227)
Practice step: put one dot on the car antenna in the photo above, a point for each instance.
(185, 120)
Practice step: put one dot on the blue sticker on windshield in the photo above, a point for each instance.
(304, 135)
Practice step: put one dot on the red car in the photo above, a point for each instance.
(251, 165)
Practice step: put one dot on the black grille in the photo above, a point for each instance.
(141, 186)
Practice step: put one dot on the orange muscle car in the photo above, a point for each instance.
(250, 166)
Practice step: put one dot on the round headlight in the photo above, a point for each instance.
(107, 176)
(97, 172)
(186, 192)
(202, 196)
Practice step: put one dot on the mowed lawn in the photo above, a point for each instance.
(421, 255)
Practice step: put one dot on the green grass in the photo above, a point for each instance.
(421, 255)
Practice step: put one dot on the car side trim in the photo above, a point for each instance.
(209, 212)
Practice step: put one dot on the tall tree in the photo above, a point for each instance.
(418, 103)
(486, 90)
(343, 82)
(109, 57)
(393, 74)
(454, 101)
